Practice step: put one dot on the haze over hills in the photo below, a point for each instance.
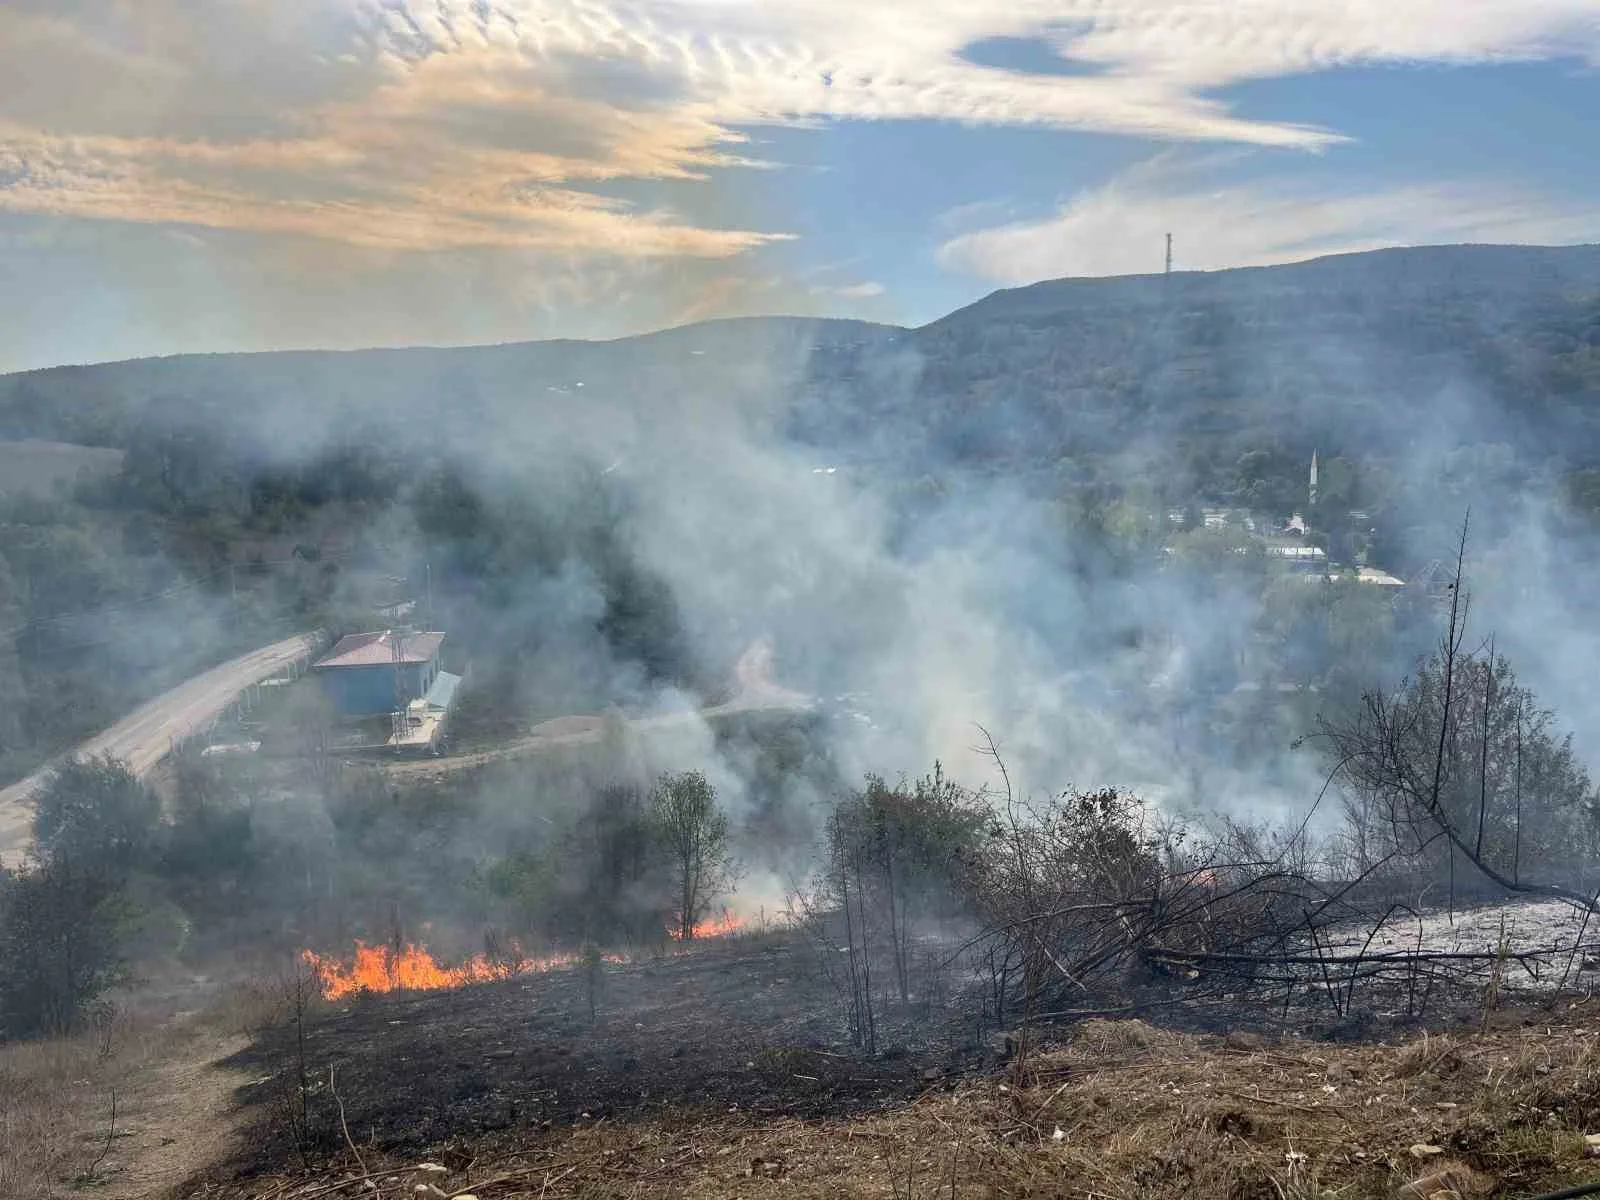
(1346, 351)
(606, 518)
(553, 637)
(1080, 515)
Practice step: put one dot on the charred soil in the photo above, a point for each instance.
(1116, 1111)
(744, 1026)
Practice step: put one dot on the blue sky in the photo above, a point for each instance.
(263, 174)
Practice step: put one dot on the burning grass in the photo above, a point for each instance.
(719, 925)
(412, 968)
(1121, 1111)
(743, 1022)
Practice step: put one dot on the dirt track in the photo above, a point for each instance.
(178, 1117)
(145, 736)
(755, 692)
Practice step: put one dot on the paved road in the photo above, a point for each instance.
(145, 736)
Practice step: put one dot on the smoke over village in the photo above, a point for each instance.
(725, 600)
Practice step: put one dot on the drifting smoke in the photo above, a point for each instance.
(909, 555)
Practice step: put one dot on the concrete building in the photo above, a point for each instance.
(1299, 557)
(374, 674)
(422, 723)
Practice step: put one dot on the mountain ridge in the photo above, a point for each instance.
(1190, 280)
(1094, 380)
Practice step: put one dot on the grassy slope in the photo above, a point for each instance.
(1122, 1110)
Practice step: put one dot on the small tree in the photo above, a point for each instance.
(60, 932)
(694, 835)
(62, 921)
(907, 847)
(612, 845)
(602, 878)
(1072, 888)
(1462, 764)
(97, 815)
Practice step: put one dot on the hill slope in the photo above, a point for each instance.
(1350, 351)
(283, 489)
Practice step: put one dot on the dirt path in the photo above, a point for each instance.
(175, 1108)
(181, 1118)
(579, 731)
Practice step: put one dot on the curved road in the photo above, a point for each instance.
(145, 736)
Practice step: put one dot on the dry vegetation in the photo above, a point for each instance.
(1122, 1110)
(126, 1109)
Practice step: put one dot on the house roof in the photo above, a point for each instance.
(442, 694)
(1294, 551)
(378, 649)
(1378, 576)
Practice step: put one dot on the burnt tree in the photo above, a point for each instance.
(1461, 764)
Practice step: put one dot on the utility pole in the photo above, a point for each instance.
(397, 722)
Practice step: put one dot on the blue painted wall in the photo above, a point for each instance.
(370, 691)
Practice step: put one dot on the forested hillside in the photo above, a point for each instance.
(291, 488)
(1366, 356)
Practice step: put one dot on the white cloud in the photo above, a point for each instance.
(866, 290)
(1120, 227)
(442, 124)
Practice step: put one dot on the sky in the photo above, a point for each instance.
(266, 174)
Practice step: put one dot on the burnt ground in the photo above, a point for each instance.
(748, 1028)
(748, 1024)
(1120, 1109)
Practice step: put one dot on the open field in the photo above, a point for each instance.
(126, 1110)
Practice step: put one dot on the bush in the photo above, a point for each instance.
(95, 814)
(60, 940)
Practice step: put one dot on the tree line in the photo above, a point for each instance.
(111, 881)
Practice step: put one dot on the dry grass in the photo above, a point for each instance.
(1123, 1111)
(173, 1110)
(55, 1105)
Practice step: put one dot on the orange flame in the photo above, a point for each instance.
(381, 969)
(720, 925)
(413, 969)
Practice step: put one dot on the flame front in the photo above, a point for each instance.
(413, 969)
(720, 925)
(382, 969)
